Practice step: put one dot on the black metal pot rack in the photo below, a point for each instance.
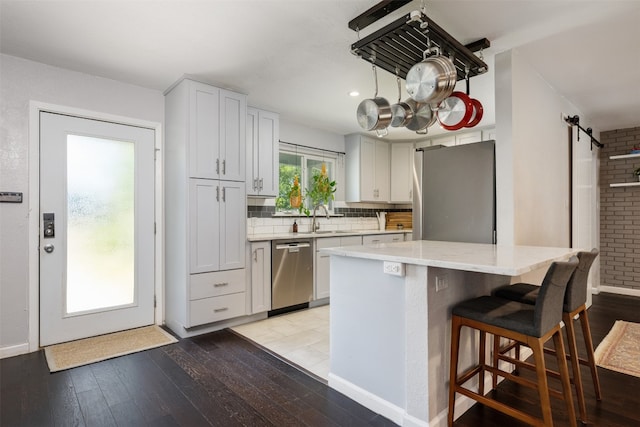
(402, 43)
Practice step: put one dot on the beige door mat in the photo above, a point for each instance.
(95, 349)
(620, 349)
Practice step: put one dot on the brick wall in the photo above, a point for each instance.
(619, 211)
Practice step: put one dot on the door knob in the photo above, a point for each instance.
(48, 248)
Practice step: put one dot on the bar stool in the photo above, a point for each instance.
(532, 325)
(575, 300)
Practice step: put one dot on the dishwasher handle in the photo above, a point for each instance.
(293, 246)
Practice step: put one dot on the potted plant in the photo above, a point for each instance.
(295, 194)
(637, 173)
(321, 191)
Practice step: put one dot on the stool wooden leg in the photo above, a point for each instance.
(586, 331)
(481, 361)
(575, 363)
(564, 377)
(495, 361)
(453, 368)
(536, 346)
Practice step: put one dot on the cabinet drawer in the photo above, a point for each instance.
(327, 242)
(382, 238)
(205, 285)
(214, 309)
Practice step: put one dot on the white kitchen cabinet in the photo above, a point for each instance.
(205, 199)
(367, 169)
(260, 277)
(402, 172)
(322, 262)
(468, 137)
(446, 140)
(382, 238)
(213, 124)
(215, 221)
(489, 134)
(263, 163)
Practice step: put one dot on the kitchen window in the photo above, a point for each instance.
(304, 164)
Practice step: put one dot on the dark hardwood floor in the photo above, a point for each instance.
(221, 379)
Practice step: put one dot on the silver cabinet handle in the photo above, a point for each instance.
(261, 180)
(218, 310)
(223, 194)
(224, 167)
(217, 194)
(48, 248)
(255, 255)
(217, 166)
(255, 184)
(219, 285)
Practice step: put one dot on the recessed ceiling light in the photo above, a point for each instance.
(354, 93)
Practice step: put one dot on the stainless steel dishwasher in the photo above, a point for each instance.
(291, 274)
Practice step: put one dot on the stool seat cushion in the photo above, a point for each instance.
(522, 292)
(500, 312)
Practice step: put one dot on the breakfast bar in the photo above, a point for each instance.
(390, 318)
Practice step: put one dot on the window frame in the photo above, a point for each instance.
(305, 155)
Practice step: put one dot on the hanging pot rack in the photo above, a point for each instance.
(402, 43)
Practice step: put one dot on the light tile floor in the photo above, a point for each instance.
(301, 337)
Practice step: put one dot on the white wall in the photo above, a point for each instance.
(23, 81)
(532, 156)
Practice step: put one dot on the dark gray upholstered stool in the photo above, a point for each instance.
(575, 300)
(532, 325)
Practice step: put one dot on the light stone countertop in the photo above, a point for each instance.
(322, 234)
(478, 257)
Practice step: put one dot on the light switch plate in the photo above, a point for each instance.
(394, 268)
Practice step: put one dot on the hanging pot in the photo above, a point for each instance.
(455, 111)
(432, 80)
(375, 113)
(423, 117)
(401, 113)
(476, 116)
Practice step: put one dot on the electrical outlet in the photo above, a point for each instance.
(442, 282)
(393, 268)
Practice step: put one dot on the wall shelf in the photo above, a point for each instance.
(625, 184)
(624, 156)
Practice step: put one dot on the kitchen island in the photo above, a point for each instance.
(391, 319)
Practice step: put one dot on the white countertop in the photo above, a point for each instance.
(478, 257)
(322, 234)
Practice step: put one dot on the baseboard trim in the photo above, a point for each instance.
(367, 399)
(619, 291)
(14, 350)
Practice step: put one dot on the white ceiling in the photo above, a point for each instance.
(293, 56)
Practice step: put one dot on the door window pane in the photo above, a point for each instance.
(100, 224)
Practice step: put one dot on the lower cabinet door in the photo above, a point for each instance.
(214, 309)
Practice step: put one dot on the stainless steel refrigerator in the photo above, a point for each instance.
(454, 193)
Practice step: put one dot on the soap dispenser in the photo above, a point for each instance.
(295, 226)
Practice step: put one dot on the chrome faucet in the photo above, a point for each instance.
(316, 226)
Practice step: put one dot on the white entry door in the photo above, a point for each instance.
(96, 227)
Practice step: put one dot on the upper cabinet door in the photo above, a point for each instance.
(263, 143)
(268, 153)
(402, 172)
(204, 137)
(381, 169)
(233, 115)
